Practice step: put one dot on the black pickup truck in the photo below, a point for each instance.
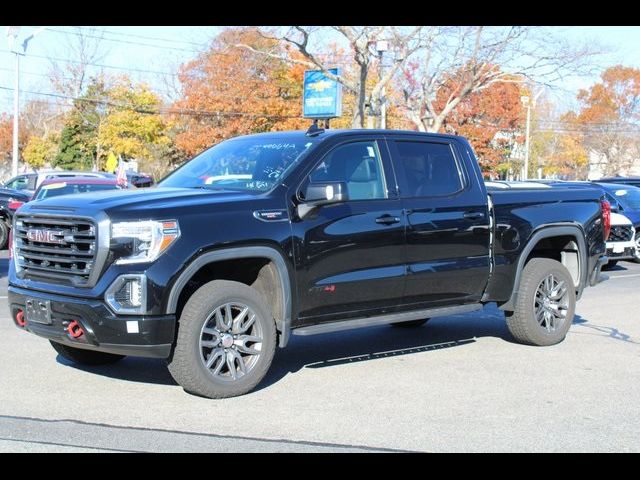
(268, 235)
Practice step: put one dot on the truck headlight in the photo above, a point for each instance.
(145, 241)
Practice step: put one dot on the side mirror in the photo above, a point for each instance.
(324, 193)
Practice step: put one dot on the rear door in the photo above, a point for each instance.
(351, 258)
(448, 251)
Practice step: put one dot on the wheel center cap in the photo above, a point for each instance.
(546, 302)
(227, 340)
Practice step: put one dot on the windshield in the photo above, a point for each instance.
(247, 164)
(57, 189)
(629, 197)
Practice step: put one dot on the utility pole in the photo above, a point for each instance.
(12, 35)
(382, 46)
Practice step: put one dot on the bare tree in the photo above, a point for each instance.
(83, 52)
(479, 56)
(403, 42)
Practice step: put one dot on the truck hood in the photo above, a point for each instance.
(135, 202)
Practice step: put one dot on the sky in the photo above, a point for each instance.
(151, 54)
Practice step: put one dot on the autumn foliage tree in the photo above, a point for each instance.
(228, 91)
(491, 119)
(609, 116)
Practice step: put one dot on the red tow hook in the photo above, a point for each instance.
(20, 318)
(74, 329)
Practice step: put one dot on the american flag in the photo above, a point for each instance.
(121, 176)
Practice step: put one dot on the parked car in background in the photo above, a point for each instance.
(505, 184)
(139, 180)
(621, 244)
(634, 181)
(625, 199)
(55, 187)
(10, 200)
(29, 182)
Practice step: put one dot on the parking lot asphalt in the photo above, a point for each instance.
(459, 383)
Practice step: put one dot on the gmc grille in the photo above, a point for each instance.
(621, 233)
(56, 249)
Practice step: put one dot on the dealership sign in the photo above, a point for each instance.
(322, 97)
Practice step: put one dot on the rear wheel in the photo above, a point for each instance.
(546, 303)
(85, 357)
(411, 323)
(226, 340)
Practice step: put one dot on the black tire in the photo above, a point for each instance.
(187, 363)
(522, 322)
(411, 323)
(609, 265)
(85, 357)
(4, 234)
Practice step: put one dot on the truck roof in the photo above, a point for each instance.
(346, 131)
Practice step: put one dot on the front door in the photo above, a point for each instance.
(447, 223)
(351, 255)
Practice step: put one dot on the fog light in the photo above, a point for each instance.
(127, 295)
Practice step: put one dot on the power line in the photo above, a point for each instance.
(144, 37)
(80, 34)
(160, 110)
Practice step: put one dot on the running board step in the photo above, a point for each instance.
(385, 319)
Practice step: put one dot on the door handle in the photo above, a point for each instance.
(387, 220)
(473, 215)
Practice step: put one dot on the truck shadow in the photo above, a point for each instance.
(600, 330)
(373, 343)
(334, 349)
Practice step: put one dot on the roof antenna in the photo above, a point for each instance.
(314, 129)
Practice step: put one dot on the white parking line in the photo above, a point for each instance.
(618, 276)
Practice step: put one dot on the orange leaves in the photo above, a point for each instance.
(615, 99)
(248, 92)
(489, 118)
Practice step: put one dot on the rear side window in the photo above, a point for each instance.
(430, 168)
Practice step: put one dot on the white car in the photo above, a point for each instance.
(621, 244)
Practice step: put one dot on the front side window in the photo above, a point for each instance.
(358, 165)
(244, 164)
(430, 168)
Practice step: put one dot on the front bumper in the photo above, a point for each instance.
(143, 336)
(628, 253)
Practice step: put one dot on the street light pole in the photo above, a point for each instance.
(527, 102)
(12, 35)
(382, 46)
(525, 174)
(16, 99)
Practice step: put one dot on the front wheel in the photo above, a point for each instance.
(546, 304)
(226, 341)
